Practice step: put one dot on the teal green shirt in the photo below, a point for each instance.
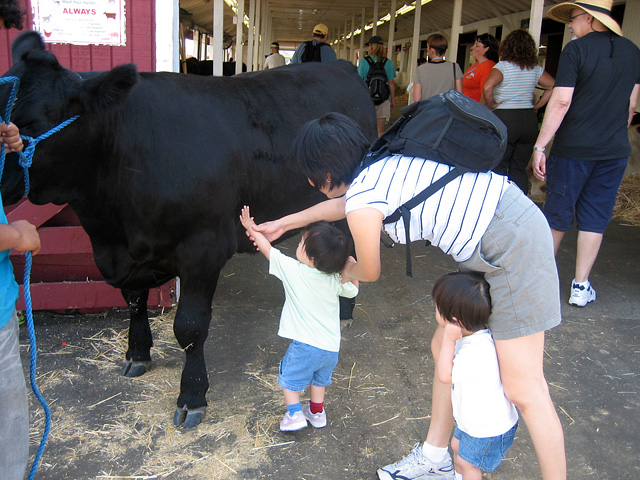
(389, 67)
(311, 311)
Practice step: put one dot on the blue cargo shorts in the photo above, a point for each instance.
(584, 190)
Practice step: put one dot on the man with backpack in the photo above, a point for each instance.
(378, 71)
(315, 50)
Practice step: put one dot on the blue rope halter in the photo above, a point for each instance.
(25, 160)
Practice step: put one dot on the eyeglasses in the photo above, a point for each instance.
(576, 16)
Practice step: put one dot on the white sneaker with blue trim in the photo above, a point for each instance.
(581, 294)
(416, 466)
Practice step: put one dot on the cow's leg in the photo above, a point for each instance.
(346, 311)
(138, 355)
(191, 327)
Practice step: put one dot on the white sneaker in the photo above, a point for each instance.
(318, 420)
(293, 423)
(416, 466)
(581, 294)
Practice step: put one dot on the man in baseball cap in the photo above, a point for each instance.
(315, 50)
(320, 31)
(593, 100)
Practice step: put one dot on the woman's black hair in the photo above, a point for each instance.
(465, 297)
(327, 246)
(333, 144)
(489, 41)
(11, 13)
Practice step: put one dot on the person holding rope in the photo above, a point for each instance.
(22, 236)
(14, 406)
(506, 237)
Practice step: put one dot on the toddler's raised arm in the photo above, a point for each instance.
(260, 240)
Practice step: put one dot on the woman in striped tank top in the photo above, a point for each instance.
(509, 92)
(487, 225)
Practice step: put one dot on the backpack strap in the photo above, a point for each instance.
(404, 211)
(369, 61)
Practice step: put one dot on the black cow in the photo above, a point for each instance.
(157, 167)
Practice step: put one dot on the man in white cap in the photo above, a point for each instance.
(275, 59)
(315, 50)
(593, 100)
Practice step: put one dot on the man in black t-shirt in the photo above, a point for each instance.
(593, 101)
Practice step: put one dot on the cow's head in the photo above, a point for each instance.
(48, 95)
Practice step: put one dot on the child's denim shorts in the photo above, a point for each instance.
(305, 365)
(484, 453)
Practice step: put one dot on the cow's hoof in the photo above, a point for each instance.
(186, 418)
(346, 323)
(134, 368)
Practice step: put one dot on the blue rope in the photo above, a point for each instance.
(32, 369)
(7, 115)
(26, 155)
(25, 160)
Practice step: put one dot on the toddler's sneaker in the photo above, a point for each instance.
(318, 420)
(581, 294)
(417, 467)
(293, 423)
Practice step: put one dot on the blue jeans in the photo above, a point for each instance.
(14, 407)
(305, 365)
(484, 453)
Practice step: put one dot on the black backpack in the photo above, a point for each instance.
(377, 81)
(311, 52)
(448, 128)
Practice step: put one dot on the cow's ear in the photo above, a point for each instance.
(26, 43)
(109, 89)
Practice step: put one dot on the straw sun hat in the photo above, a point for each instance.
(599, 9)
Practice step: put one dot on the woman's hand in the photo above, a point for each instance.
(271, 230)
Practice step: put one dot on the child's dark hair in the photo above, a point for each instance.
(464, 296)
(333, 144)
(327, 246)
(11, 13)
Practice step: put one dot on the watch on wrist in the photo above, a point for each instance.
(539, 149)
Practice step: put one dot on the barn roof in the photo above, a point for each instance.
(294, 20)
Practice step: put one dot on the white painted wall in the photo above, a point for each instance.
(167, 36)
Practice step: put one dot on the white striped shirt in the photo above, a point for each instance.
(454, 218)
(517, 86)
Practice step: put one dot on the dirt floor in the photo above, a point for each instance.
(110, 427)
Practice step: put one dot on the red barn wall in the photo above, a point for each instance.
(140, 48)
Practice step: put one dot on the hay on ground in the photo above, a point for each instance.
(627, 207)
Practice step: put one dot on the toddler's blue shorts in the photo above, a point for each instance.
(484, 453)
(584, 190)
(304, 365)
